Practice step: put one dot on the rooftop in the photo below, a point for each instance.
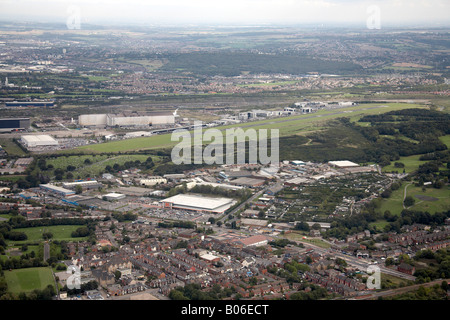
(343, 163)
(200, 202)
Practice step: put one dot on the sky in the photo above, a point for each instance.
(377, 13)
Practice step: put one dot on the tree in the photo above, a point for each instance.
(316, 226)
(302, 226)
(117, 274)
(409, 201)
(444, 285)
(78, 189)
(212, 220)
(47, 235)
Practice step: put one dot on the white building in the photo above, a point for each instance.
(343, 164)
(88, 184)
(114, 196)
(32, 141)
(137, 134)
(198, 203)
(127, 119)
(151, 181)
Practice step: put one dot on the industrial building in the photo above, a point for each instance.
(10, 124)
(114, 196)
(198, 203)
(127, 119)
(152, 181)
(254, 241)
(92, 120)
(343, 164)
(32, 141)
(255, 223)
(89, 184)
(137, 134)
(57, 190)
(248, 182)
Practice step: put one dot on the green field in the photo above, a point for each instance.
(297, 236)
(431, 200)
(446, 140)
(34, 234)
(292, 125)
(411, 164)
(26, 280)
(97, 162)
(6, 216)
(11, 147)
(12, 178)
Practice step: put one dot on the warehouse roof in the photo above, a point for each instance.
(56, 188)
(200, 202)
(40, 139)
(344, 163)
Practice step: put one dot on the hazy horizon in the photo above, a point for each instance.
(415, 13)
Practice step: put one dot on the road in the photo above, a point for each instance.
(112, 239)
(359, 263)
(46, 251)
(253, 197)
(397, 291)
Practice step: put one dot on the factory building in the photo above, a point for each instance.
(152, 181)
(42, 140)
(57, 190)
(92, 120)
(89, 184)
(343, 164)
(127, 119)
(254, 241)
(113, 196)
(10, 124)
(198, 203)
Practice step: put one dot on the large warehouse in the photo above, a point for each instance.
(57, 190)
(41, 140)
(198, 203)
(10, 124)
(343, 164)
(92, 120)
(127, 119)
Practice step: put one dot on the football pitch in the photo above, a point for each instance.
(26, 280)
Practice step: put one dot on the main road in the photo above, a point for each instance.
(253, 197)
